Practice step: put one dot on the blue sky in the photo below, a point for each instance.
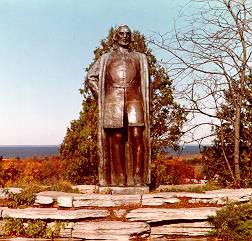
(45, 46)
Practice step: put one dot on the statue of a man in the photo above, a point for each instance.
(120, 81)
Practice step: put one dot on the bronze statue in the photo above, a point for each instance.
(120, 81)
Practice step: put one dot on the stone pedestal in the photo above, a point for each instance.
(123, 190)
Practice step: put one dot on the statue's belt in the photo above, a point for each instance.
(125, 85)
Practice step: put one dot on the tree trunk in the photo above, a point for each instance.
(237, 126)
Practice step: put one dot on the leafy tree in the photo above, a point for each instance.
(79, 150)
(215, 157)
(212, 51)
(233, 222)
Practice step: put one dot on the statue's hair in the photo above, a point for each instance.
(121, 26)
(117, 29)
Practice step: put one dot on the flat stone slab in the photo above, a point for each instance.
(87, 189)
(123, 190)
(241, 191)
(53, 213)
(101, 200)
(44, 200)
(239, 195)
(65, 201)
(158, 199)
(10, 189)
(36, 239)
(151, 215)
(182, 229)
(110, 230)
(120, 213)
(55, 194)
(196, 195)
(222, 196)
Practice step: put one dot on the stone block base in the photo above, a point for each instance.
(123, 190)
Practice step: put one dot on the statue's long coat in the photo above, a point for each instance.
(97, 72)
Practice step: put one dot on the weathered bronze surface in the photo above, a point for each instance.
(120, 82)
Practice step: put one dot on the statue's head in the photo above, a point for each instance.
(122, 36)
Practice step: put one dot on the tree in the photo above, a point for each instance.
(79, 150)
(212, 54)
(214, 157)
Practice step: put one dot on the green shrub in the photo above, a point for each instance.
(20, 200)
(62, 186)
(233, 222)
(53, 231)
(31, 228)
(13, 227)
(196, 188)
(27, 196)
(36, 228)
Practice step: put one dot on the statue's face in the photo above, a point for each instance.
(123, 37)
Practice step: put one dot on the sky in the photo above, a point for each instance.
(45, 46)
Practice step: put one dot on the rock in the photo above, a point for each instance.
(195, 195)
(182, 229)
(1, 227)
(67, 231)
(10, 189)
(87, 189)
(110, 230)
(222, 201)
(95, 200)
(241, 191)
(172, 200)
(120, 213)
(158, 199)
(200, 200)
(165, 188)
(44, 200)
(37, 239)
(53, 213)
(244, 199)
(65, 201)
(213, 201)
(101, 200)
(232, 195)
(151, 215)
(55, 194)
(124, 190)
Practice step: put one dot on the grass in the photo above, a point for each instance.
(195, 188)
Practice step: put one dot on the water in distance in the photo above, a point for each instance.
(23, 151)
(184, 150)
(28, 151)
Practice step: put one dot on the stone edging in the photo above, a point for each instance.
(102, 216)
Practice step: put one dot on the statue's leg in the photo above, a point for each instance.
(136, 134)
(118, 156)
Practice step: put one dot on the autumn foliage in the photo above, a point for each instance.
(171, 170)
(32, 170)
(52, 170)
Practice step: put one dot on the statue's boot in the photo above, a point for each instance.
(118, 158)
(138, 179)
(138, 155)
(121, 180)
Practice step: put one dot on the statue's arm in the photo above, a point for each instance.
(150, 89)
(92, 78)
(150, 95)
